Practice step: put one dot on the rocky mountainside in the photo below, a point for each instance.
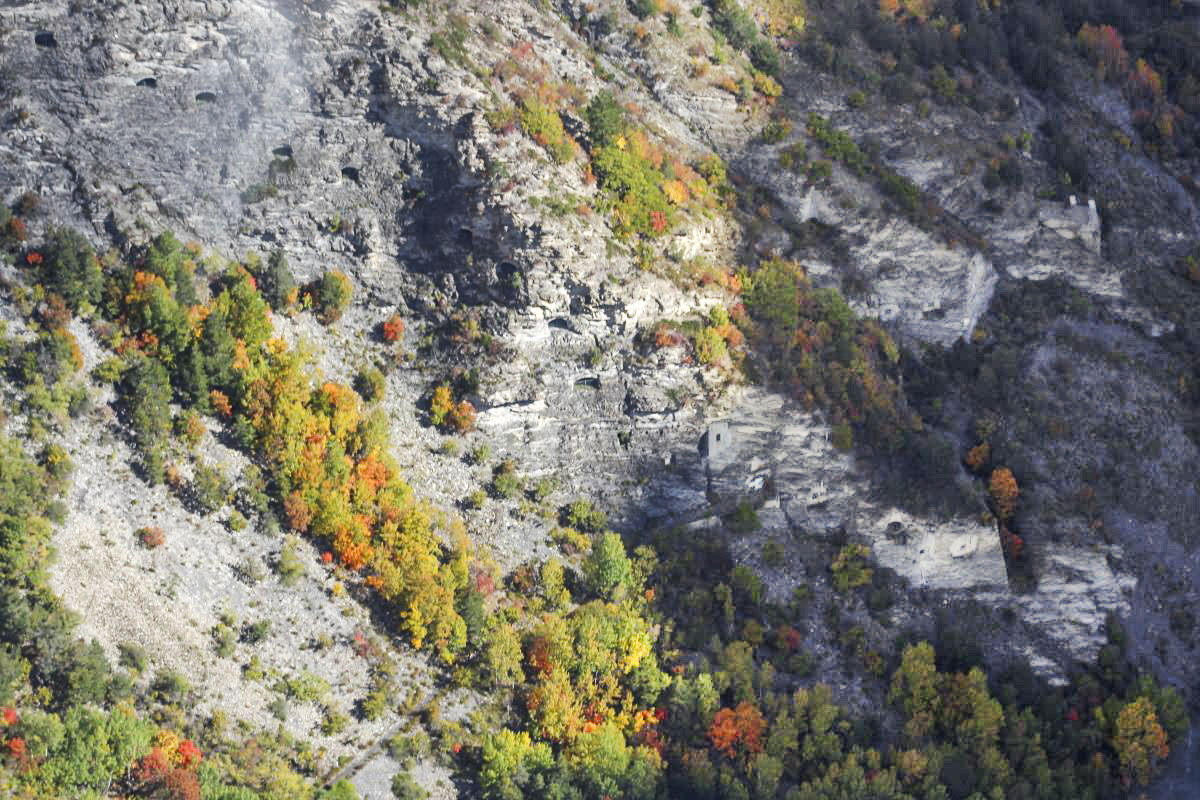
(1050, 326)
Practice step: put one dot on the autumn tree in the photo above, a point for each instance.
(977, 456)
(1104, 46)
(446, 413)
(1139, 740)
(1145, 83)
(555, 707)
(1003, 489)
(393, 328)
(738, 731)
(151, 313)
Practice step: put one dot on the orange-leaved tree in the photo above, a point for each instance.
(738, 730)
(1003, 489)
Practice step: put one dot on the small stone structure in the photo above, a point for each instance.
(1073, 221)
(717, 445)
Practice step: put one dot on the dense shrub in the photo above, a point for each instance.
(850, 568)
(582, 515)
(331, 296)
(637, 185)
(151, 537)
(447, 413)
(289, 565)
(209, 488)
(393, 328)
(277, 283)
(709, 345)
(541, 121)
(146, 393)
(506, 483)
(369, 382)
(605, 119)
(70, 269)
(765, 56)
(900, 189)
(837, 144)
(733, 21)
(607, 569)
(643, 8)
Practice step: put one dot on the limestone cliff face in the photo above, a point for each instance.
(338, 134)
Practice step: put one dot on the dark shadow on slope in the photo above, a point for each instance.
(442, 227)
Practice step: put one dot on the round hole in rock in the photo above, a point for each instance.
(465, 237)
(350, 173)
(45, 39)
(559, 322)
(206, 97)
(507, 272)
(283, 151)
(148, 83)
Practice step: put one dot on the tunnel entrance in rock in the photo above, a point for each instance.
(206, 97)
(350, 173)
(560, 323)
(589, 382)
(465, 237)
(283, 151)
(508, 273)
(148, 83)
(896, 533)
(45, 39)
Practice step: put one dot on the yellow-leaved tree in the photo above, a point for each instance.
(1140, 741)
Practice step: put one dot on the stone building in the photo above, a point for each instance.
(1073, 220)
